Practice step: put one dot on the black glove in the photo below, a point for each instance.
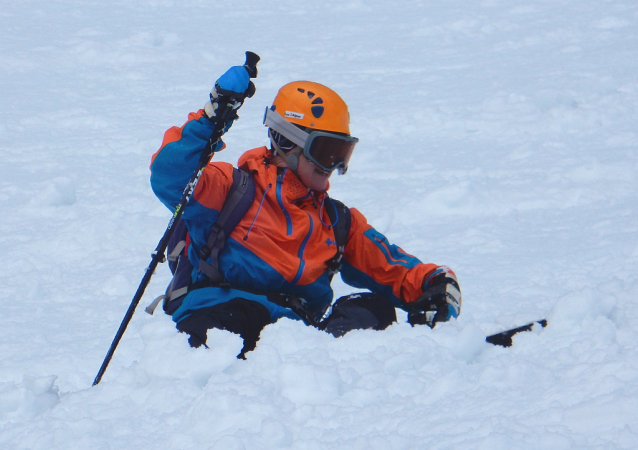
(441, 299)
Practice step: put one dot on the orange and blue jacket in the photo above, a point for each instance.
(283, 242)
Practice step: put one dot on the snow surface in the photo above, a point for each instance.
(498, 137)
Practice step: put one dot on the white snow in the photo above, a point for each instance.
(498, 137)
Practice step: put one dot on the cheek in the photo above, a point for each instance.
(314, 180)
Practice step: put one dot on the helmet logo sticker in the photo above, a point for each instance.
(294, 115)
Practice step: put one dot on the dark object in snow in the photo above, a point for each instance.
(361, 311)
(504, 338)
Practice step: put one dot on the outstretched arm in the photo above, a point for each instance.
(372, 262)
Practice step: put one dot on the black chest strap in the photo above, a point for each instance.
(341, 219)
(238, 201)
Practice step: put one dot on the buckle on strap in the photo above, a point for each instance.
(166, 298)
(176, 251)
(334, 263)
(151, 308)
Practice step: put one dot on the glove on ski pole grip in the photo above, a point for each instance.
(235, 84)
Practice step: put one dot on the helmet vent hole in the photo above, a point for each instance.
(317, 111)
(301, 90)
(317, 101)
(310, 95)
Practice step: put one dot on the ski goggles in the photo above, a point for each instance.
(327, 150)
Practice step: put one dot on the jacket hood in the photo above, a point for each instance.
(251, 159)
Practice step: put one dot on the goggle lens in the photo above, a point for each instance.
(330, 153)
(327, 150)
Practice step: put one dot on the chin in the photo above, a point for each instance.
(316, 186)
(315, 182)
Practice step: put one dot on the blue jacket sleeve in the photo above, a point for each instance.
(176, 160)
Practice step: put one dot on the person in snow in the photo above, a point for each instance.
(280, 258)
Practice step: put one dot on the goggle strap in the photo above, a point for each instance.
(291, 158)
(294, 134)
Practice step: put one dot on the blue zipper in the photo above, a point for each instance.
(280, 200)
(302, 248)
(302, 263)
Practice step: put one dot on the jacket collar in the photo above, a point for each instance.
(293, 190)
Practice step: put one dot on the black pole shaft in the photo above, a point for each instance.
(226, 113)
(158, 255)
(127, 318)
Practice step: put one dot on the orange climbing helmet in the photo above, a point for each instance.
(312, 105)
(310, 119)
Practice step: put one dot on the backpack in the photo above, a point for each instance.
(238, 201)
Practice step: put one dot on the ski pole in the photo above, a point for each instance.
(504, 338)
(226, 113)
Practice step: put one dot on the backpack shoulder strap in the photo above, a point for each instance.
(238, 200)
(341, 219)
